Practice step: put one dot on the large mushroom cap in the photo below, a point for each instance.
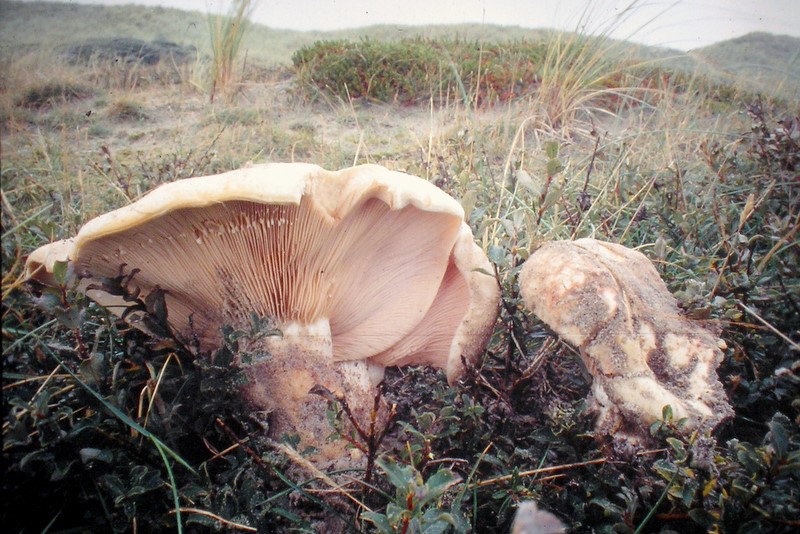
(610, 302)
(359, 269)
(383, 256)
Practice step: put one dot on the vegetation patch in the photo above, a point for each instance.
(127, 110)
(456, 459)
(128, 50)
(52, 93)
(416, 70)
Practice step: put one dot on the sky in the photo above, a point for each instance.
(679, 24)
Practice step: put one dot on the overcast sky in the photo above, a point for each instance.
(681, 24)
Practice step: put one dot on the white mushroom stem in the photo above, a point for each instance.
(283, 369)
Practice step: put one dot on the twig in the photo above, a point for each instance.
(534, 472)
(215, 517)
(295, 457)
(591, 164)
(219, 454)
(781, 242)
(763, 321)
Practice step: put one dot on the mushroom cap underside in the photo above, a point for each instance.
(384, 256)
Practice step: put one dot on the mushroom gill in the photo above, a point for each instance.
(358, 269)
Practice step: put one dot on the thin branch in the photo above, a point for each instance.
(534, 472)
(215, 517)
(763, 321)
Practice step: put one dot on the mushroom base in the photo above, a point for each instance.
(282, 372)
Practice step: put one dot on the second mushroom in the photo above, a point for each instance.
(359, 269)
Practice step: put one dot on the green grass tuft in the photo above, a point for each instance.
(226, 40)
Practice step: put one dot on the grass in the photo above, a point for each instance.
(699, 175)
(226, 41)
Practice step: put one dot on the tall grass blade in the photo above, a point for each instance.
(226, 34)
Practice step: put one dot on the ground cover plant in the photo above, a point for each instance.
(113, 431)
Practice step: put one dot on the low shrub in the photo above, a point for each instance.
(415, 70)
(127, 50)
(51, 93)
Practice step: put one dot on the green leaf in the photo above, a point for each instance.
(778, 435)
(436, 521)
(551, 149)
(553, 195)
(60, 272)
(71, 318)
(749, 458)
(468, 202)
(525, 181)
(91, 369)
(90, 454)
(554, 166)
(677, 446)
(380, 521)
(701, 517)
(609, 508)
(50, 300)
(496, 254)
(401, 477)
(437, 485)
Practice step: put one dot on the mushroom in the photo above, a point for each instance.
(358, 269)
(610, 303)
(530, 519)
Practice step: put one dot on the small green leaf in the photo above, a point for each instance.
(90, 454)
(91, 369)
(777, 436)
(525, 181)
(749, 459)
(660, 248)
(437, 485)
(50, 300)
(553, 195)
(60, 272)
(678, 447)
(400, 476)
(437, 521)
(496, 254)
(551, 149)
(554, 166)
(468, 202)
(70, 318)
(608, 507)
(380, 521)
(701, 517)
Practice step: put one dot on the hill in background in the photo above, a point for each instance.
(766, 61)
